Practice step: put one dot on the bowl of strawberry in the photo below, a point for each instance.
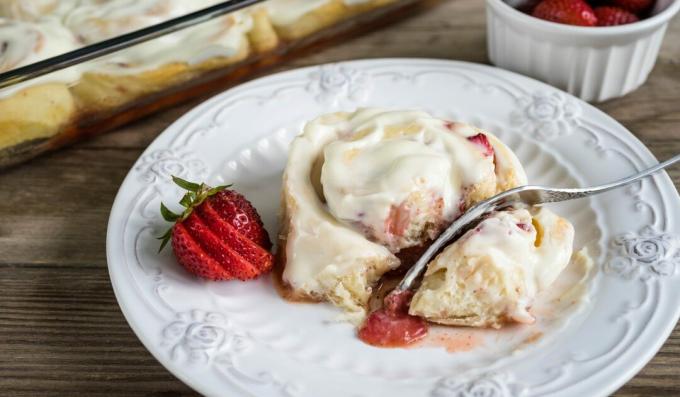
(594, 49)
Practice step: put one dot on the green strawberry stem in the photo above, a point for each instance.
(195, 196)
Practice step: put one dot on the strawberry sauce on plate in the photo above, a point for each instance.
(392, 326)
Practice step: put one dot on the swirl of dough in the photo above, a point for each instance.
(23, 43)
(96, 20)
(219, 39)
(30, 10)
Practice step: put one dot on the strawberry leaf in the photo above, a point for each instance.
(190, 186)
(168, 215)
(197, 194)
(217, 189)
(165, 238)
(188, 199)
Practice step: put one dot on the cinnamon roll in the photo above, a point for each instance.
(39, 108)
(360, 187)
(158, 64)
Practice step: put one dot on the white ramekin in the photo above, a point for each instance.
(593, 63)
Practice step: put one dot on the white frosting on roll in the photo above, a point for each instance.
(222, 37)
(392, 166)
(320, 250)
(32, 10)
(97, 20)
(23, 43)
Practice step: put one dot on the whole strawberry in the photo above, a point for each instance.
(219, 235)
(635, 6)
(612, 16)
(571, 12)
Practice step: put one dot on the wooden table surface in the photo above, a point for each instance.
(61, 331)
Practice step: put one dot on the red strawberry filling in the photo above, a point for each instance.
(524, 226)
(398, 219)
(483, 142)
(392, 326)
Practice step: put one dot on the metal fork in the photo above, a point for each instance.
(524, 195)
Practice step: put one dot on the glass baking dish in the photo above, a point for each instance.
(92, 97)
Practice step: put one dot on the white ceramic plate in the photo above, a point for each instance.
(235, 338)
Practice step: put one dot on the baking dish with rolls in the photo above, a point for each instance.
(89, 98)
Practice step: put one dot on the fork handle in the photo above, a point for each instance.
(556, 195)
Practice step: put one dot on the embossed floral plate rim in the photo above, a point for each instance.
(641, 259)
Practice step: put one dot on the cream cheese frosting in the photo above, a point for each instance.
(97, 20)
(23, 43)
(222, 37)
(33, 10)
(397, 160)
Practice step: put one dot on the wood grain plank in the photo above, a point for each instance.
(61, 331)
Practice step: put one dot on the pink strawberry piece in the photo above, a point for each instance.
(483, 142)
(524, 226)
(398, 219)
